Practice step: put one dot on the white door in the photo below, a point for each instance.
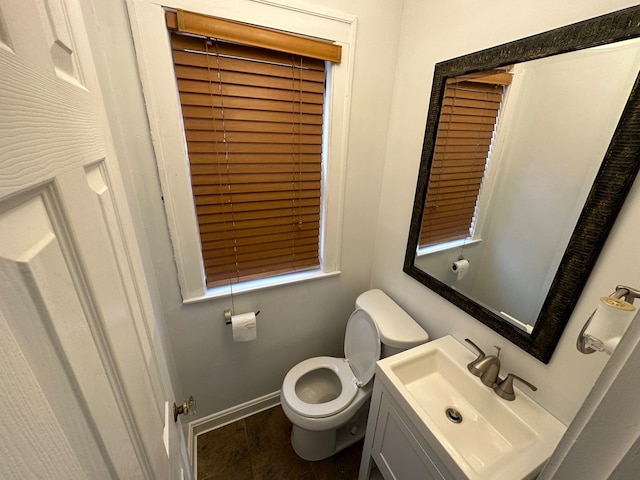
(83, 387)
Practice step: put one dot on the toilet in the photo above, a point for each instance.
(327, 398)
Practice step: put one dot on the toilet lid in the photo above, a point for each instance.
(362, 345)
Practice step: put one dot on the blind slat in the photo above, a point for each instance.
(466, 134)
(453, 196)
(255, 265)
(470, 103)
(300, 235)
(257, 207)
(437, 215)
(455, 224)
(190, 64)
(248, 79)
(257, 127)
(259, 233)
(205, 159)
(224, 229)
(303, 235)
(215, 279)
(260, 187)
(243, 168)
(265, 249)
(454, 119)
(462, 110)
(448, 236)
(290, 179)
(472, 156)
(257, 256)
(465, 131)
(455, 94)
(260, 104)
(240, 216)
(463, 144)
(207, 112)
(254, 197)
(211, 89)
(268, 148)
(249, 137)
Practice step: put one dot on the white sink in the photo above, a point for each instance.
(496, 439)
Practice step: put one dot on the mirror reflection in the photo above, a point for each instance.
(516, 153)
(549, 159)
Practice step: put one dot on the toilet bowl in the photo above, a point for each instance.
(327, 398)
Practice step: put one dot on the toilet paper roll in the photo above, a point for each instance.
(608, 324)
(244, 327)
(460, 268)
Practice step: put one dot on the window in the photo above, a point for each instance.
(253, 122)
(155, 60)
(466, 128)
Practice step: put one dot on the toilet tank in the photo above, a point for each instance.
(398, 331)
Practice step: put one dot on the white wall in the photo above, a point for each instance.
(558, 118)
(434, 31)
(296, 321)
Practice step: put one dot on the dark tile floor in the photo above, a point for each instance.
(258, 448)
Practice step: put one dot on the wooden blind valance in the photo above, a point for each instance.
(252, 35)
(465, 131)
(253, 121)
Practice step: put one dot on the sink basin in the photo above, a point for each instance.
(484, 435)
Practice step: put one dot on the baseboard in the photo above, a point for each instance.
(225, 417)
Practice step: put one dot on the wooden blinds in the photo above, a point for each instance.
(253, 121)
(465, 131)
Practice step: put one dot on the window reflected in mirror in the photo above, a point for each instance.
(466, 130)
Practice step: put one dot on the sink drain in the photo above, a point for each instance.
(454, 415)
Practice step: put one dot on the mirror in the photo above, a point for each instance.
(561, 190)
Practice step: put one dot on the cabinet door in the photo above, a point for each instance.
(397, 452)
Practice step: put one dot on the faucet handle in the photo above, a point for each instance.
(480, 352)
(472, 365)
(504, 389)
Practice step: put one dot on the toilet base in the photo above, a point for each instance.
(318, 445)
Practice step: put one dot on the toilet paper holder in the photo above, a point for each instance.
(628, 294)
(228, 313)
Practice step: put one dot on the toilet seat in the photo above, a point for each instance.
(318, 410)
(362, 350)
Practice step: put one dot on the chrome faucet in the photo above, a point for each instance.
(485, 367)
(504, 389)
(488, 369)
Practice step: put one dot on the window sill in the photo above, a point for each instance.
(254, 285)
(441, 247)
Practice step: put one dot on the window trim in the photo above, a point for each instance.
(163, 106)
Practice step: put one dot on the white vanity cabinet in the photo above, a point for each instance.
(393, 447)
(430, 418)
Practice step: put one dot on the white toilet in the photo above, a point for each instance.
(327, 398)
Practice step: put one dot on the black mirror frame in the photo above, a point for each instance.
(611, 186)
